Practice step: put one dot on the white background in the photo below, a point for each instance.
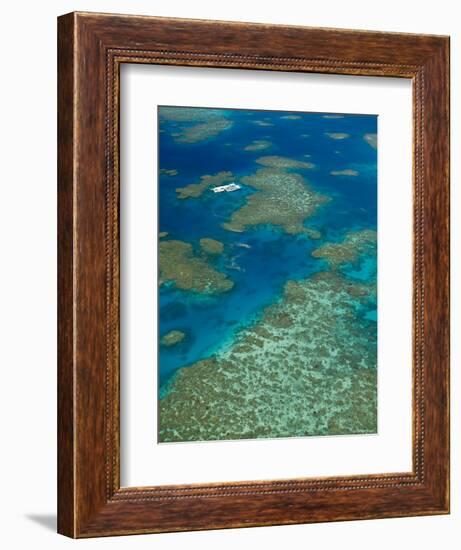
(142, 89)
(28, 285)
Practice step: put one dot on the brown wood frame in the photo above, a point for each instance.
(91, 49)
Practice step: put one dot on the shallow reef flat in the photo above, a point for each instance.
(306, 367)
(262, 123)
(274, 161)
(169, 172)
(346, 172)
(283, 199)
(211, 246)
(189, 114)
(372, 140)
(203, 131)
(291, 117)
(337, 135)
(193, 125)
(179, 265)
(172, 338)
(349, 250)
(196, 190)
(258, 145)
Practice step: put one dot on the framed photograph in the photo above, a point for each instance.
(253, 275)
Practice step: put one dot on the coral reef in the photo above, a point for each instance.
(178, 264)
(169, 172)
(203, 131)
(274, 161)
(337, 135)
(192, 124)
(307, 367)
(349, 250)
(172, 338)
(258, 145)
(346, 172)
(262, 123)
(195, 190)
(372, 140)
(264, 333)
(313, 233)
(211, 246)
(283, 199)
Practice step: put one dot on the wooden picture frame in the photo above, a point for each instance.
(92, 48)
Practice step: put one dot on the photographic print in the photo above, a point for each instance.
(267, 274)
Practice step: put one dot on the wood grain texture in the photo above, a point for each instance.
(66, 487)
(91, 49)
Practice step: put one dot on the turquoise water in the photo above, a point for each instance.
(263, 258)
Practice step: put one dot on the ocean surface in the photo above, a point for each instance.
(341, 153)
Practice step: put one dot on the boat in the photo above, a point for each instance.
(228, 188)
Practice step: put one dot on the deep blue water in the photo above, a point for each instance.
(259, 272)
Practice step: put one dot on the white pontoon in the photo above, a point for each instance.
(228, 188)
